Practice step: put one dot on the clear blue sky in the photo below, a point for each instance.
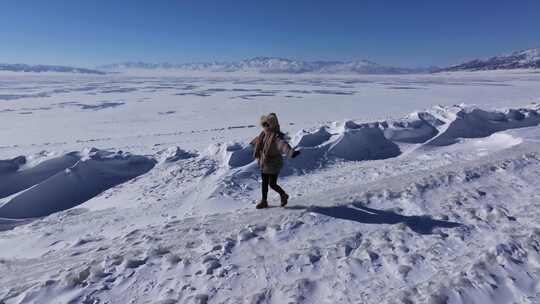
(400, 32)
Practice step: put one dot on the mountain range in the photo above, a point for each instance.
(273, 65)
(40, 68)
(524, 59)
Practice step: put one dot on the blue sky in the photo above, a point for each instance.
(404, 32)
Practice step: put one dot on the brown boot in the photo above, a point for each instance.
(284, 199)
(262, 204)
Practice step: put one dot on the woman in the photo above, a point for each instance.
(268, 148)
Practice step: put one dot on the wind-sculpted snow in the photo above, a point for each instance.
(441, 126)
(75, 185)
(13, 178)
(11, 165)
(416, 128)
(173, 154)
(472, 122)
(233, 155)
(352, 141)
(363, 143)
(312, 139)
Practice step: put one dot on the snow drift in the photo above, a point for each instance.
(232, 155)
(417, 127)
(437, 126)
(441, 126)
(340, 141)
(471, 122)
(15, 178)
(90, 176)
(312, 139)
(352, 141)
(173, 154)
(68, 181)
(345, 141)
(363, 143)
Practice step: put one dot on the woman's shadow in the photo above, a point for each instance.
(365, 215)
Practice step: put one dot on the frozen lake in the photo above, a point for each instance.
(72, 112)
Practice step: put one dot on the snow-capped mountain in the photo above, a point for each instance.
(272, 65)
(19, 67)
(525, 59)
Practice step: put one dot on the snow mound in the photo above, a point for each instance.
(232, 155)
(442, 126)
(173, 154)
(15, 178)
(348, 141)
(353, 141)
(307, 139)
(311, 158)
(341, 141)
(11, 165)
(93, 174)
(366, 143)
(417, 127)
(470, 122)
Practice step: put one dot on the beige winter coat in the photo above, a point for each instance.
(270, 145)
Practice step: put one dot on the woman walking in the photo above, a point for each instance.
(268, 149)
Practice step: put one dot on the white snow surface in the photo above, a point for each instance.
(141, 189)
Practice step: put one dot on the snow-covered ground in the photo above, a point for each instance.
(141, 189)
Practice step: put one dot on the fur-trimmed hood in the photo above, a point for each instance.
(272, 120)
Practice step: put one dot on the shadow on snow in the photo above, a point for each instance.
(365, 215)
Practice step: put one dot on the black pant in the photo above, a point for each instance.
(270, 180)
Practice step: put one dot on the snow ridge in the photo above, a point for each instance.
(49, 185)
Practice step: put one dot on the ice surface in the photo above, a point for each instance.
(449, 216)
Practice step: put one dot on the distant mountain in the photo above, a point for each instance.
(526, 59)
(272, 65)
(19, 67)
